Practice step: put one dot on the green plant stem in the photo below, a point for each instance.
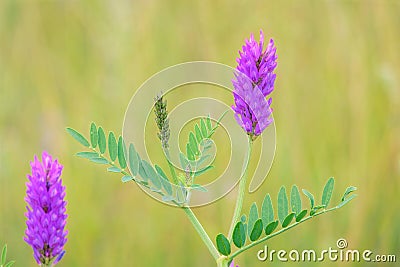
(171, 167)
(236, 253)
(200, 230)
(222, 261)
(242, 188)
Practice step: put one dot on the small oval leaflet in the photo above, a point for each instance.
(253, 217)
(288, 220)
(203, 128)
(257, 230)
(349, 190)
(121, 153)
(283, 206)
(112, 146)
(271, 227)
(78, 137)
(223, 245)
(295, 200)
(239, 235)
(99, 160)
(101, 140)
(114, 169)
(126, 178)
(151, 174)
(301, 215)
(310, 197)
(267, 210)
(88, 154)
(134, 160)
(93, 135)
(199, 137)
(327, 193)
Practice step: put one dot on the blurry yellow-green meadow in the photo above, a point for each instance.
(336, 109)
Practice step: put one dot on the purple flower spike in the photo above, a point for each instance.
(233, 264)
(46, 215)
(254, 81)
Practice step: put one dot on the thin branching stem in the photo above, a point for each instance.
(241, 191)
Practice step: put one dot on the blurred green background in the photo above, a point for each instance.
(336, 106)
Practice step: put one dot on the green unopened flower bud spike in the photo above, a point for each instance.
(162, 121)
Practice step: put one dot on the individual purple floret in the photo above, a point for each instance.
(233, 264)
(254, 81)
(46, 215)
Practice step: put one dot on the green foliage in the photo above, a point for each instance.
(156, 180)
(327, 193)
(198, 146)
(239, 235)
(310, 197)
(121, 153)
(271, 227)
(151, 174)
(223, 245)
(256, 230)
(3, 255)
(198, 188)
(126, 178)
(114, 169)
(93, 135)
(200, 172)
(253, 217)
(297, 215)
(199, 136)
(99, 160)
(87, 155)
(152, 178)
(267, 211)
(134, 160)
(349, 190)
(301, 215)
(288, 219)
(295, 200)
(346, 200)
(283, 208)
(101, 140)
(3, 258)
(78, 137)
(112, 146)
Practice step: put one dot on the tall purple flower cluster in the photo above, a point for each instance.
(46, 215)
(254, 81)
